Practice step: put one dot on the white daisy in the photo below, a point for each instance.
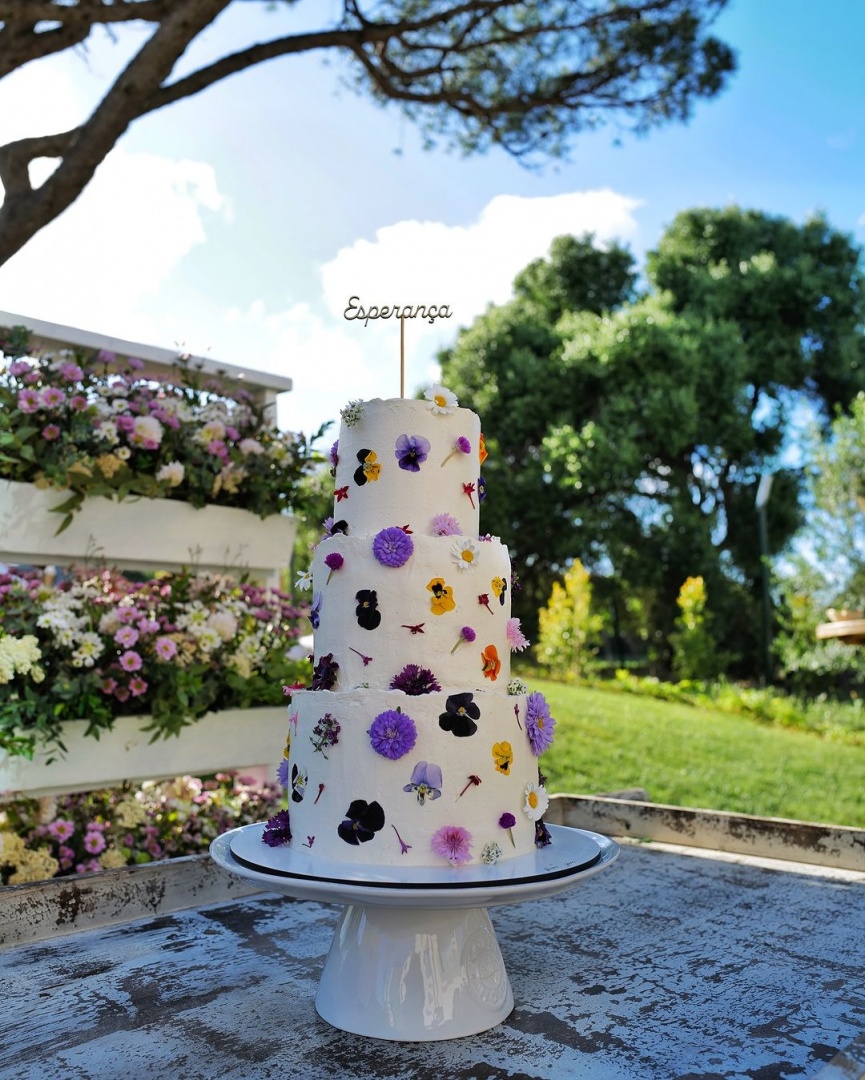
(441, 400)
(465, 553)
(537, 801)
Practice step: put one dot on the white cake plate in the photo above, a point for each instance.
(414, 957)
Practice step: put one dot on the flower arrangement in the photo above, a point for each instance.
(125, 826)
(100, 646)
(87, 424)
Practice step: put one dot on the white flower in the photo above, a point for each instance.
(465, 553)
(172, 473)
(208, 639)
(537, 801)
(442, 400)
(146, 429)
(124, 453)
(224, 623)
(107, 431)
(304, 580)
(213, 431)
(250, 446)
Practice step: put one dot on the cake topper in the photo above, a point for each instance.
(355, 311)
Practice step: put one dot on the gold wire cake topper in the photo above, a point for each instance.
(356, 311)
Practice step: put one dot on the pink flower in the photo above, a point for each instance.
(19, 367)
(453, 843)
(124, 423)
(165, 648)
(109, 686)
(71, 372)
(66, 856)
(61, 829)
(126, 636)
(28, 401)
(130, 661)
(50, 432)
(52, 397)
(137, 686)
(218, 448)
(94, 842)
(445, 525)
(148, 626)
(78, 403)
(122, 693)
(134, 363)
(516, 639)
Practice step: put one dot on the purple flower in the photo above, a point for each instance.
(324, 673)
(392, 546)
(368, 615)
(542, 834)
(363, 820)
(415, 680)
(282, 774)
(461, 446)
(19, 367)
(71, 372)
(277, 831)
(507, 821)
(540, 726)
(392, 734)
(466, 634)
(325, 734)
(334, 454)
(315, 610)
(94, 842)
(52, 397)
(446, 525)
(333, 562)
(426, 781)
(411, 452)
(452, 843)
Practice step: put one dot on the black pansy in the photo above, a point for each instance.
(368, 615)
(324, 673)
(460, 716)
(362, 821)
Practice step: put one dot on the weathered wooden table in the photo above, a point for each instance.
(671, 964)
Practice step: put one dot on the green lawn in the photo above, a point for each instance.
(607, 741)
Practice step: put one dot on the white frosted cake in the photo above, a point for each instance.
(409, 749)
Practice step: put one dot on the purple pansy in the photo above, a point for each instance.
(392, 734)
(426, 781)
(324, 673)
(411, 452)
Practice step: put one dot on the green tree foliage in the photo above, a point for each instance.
(632, 430)
(567, 625)
(526, 76)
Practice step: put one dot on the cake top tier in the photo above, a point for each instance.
(404, 462)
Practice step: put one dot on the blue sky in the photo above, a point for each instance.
(239, 222)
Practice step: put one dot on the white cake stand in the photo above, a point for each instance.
(414, 957)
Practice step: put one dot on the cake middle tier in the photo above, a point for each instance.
(445, 609)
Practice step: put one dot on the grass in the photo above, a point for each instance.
(687, 756)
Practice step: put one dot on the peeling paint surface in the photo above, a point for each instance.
(666, 967)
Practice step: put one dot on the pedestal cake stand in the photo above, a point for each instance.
(414, 957)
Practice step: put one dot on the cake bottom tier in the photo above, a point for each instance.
(411, 780)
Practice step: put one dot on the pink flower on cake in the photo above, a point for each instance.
(442, 401)
(445, 525)
(516, 639)
(453, 843)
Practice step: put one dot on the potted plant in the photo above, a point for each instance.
(97, 456)
(96, 670)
